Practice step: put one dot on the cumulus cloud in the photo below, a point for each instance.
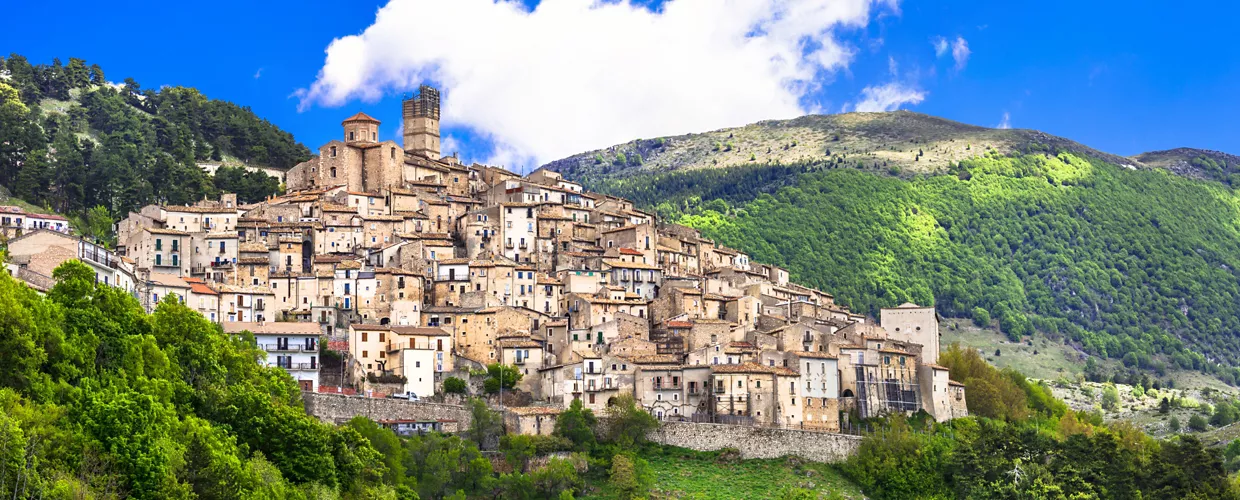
(572, 75)
(888, 97)
(960, 52)
(1006, 122)
(940, 46)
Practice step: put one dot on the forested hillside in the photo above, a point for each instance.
(72, 141)
(1132, 263)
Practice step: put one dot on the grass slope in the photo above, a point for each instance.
(682, 473)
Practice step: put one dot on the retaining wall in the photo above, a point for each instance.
(338, 408)
(758, 442)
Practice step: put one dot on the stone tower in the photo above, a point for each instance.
(361, 128)
(421, 119)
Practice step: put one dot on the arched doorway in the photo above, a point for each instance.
(848, 393)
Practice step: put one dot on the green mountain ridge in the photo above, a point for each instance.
(912, 142)
(71, 140)
(1126, 258)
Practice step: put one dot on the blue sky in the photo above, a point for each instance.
(1122, 77)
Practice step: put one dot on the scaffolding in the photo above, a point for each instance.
(423, 105)
(886, 390)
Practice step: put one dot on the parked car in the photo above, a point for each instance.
(406, 395)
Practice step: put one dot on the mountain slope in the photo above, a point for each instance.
(1036, 233)
(910, 142)
(71, 140)
(1195, 163)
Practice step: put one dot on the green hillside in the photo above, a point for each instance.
(71, 141)
(1131, 262)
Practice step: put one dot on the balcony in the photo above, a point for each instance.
(720, 390)
(290, 348)
(296, 366)
(522, 246)
(508, 245)
(667, 387)
(519, 361)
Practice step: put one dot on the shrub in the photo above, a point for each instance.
(629, 476)
(980, 316)
(1197, 423)
(1110, 397)
(453, 385)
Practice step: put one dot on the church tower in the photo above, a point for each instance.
(421, 120)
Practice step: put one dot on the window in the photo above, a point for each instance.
(333, 155)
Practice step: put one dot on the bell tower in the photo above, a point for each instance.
(421, 120)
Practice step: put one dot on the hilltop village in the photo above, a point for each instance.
(415, 267)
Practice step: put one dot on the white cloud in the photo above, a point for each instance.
(258, 73)
(889, 97)
(572, 75)
(892, 66)
(1006, 122)
(960, 52)
(940, 46)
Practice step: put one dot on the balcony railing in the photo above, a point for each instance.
(290, 348)
(667, 387)
(296, 366)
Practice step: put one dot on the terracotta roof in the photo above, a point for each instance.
(200, 210)
(679, 324)
(936, 367)
(272, 327)
(157, 230)
(425, 331)
(754, 368)
(814, 354)
(955, 383)
(629, 251)
(519, 344)
(201, 289)
(630, 265)
(360, 117)
(168, 280)
(656, 359)
(369, 328)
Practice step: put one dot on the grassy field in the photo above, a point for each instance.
(1044, 359)
(686, 474)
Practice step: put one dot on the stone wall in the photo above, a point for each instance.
(338, 408)
(758, 442)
